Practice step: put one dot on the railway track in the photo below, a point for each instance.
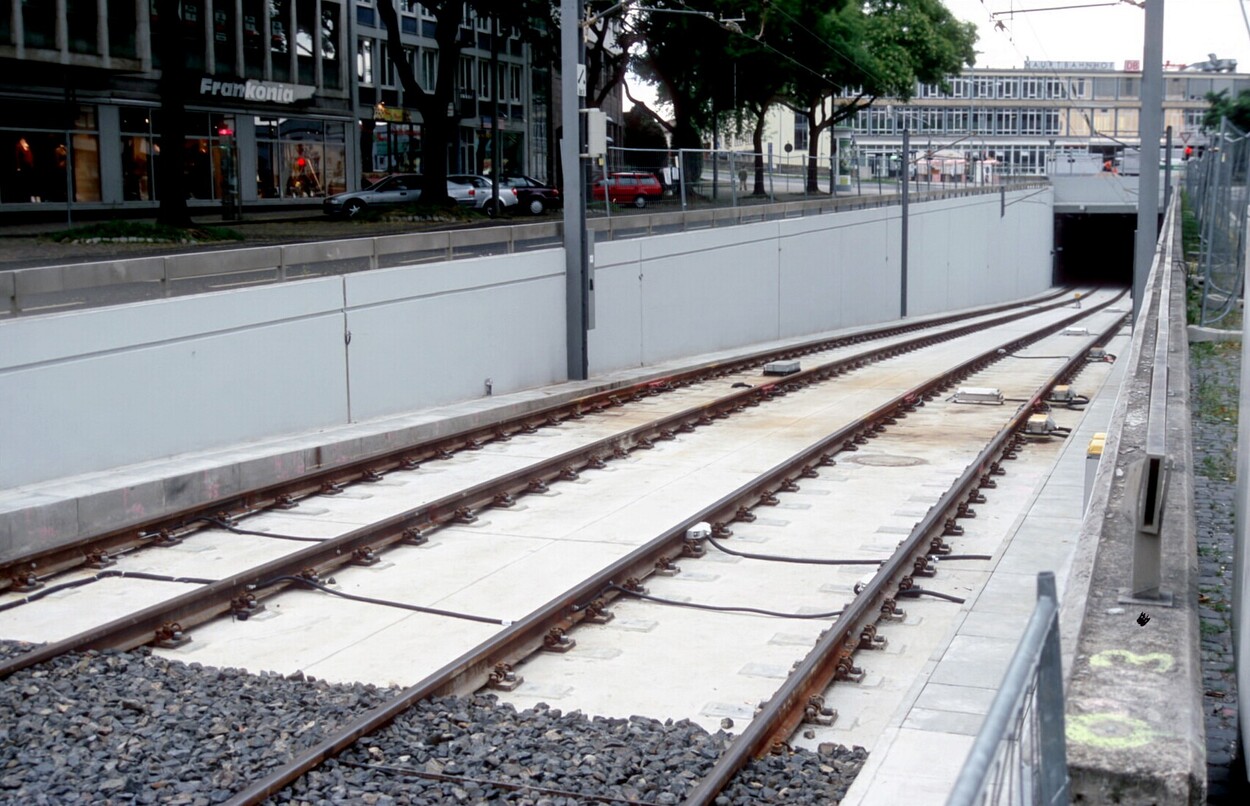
(549, 626)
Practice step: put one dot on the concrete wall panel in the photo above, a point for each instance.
(432, 334)
(709, 290)
(126, 384)
(93, 390)
(616, 341)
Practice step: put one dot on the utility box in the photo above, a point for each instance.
(596, 132)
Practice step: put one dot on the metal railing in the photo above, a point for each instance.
(700, 178)
(1020, 755)
(1215, 185)
(75, 286)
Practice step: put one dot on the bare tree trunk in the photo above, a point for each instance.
(171, 182)
(757, 143)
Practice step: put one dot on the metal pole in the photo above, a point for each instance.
(1151, 128)
(1054, 752)
(574, 201)
(903, 164)
(1167, 169)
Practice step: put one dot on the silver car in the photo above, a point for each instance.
(483, 196)
(391, 191)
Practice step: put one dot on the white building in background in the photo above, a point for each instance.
(1050, 117)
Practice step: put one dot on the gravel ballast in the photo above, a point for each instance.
(131, 727)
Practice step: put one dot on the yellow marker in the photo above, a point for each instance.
(1096, 443)
(1162, 661)
(1109, 731)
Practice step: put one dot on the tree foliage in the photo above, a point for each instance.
(1237, 110)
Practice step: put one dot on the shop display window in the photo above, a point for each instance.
(139, 151)
(46, 157)
(300, 159)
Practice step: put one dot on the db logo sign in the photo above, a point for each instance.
(1132, 66)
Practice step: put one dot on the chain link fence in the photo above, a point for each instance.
(1215, 190)
(685, 179)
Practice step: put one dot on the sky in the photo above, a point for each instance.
(1192, 29)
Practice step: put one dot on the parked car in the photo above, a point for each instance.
(534, 196)
(633, 187)
(483, 195)
(390, 191)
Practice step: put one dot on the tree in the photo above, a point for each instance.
(875, 48)
(642, 132)
(438, 127)
(1237, 110)
(172, 124)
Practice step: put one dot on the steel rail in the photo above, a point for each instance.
(829, 658)
(474, 668)
(234, 592)
(95, 547)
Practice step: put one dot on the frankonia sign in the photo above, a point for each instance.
(252, 90)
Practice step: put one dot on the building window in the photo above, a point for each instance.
(305, 27)
(364, 61)
(139, 150)
(514, 90)
(483, 80)
(39, 24)
(1056, 88)
(47, 156)
(331, 73)
(959, 88)
(1104, 88)
(279, 38)
(253, 39)
(1031, 88)
(1031, 121)
(429, 69)
(1007, 121)
(1008, 88)
(1126, 124)
(1130, 87)
(468, 76)
(122, 29)
(83, 24)
(983, 87)
(1052, 122)
(957, 121)
(800, 132)
(223, 39)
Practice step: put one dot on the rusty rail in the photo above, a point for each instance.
(473, 669)
(828, 660)
(82, 552)
(200, 605)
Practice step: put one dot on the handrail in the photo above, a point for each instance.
(141, 278)
(1036, 654)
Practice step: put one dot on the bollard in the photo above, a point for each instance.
(1093, 455)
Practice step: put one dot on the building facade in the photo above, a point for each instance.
(288, 101)
(1049, 117)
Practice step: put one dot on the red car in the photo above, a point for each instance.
(634, 188)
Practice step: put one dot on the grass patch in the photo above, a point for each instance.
(1211, 630)
(1213, 398)
(433, 213)
(1218, 468)
(127, 231)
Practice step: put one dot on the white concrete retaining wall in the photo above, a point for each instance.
(92, 390)
(668, 296)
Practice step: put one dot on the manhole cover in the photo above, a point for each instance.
(886, 460)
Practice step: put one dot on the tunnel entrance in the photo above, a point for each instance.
(1094, 248)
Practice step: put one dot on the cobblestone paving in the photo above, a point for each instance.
(1213, 385)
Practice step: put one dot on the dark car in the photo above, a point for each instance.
(389, 191)
(533, 196)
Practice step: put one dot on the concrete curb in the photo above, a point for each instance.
(1134, 701)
